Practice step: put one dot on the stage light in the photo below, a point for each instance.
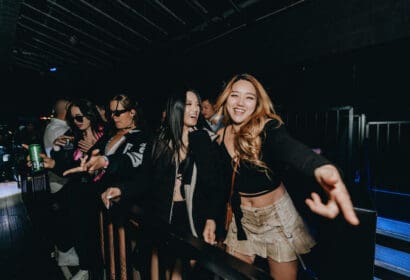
(53, 69)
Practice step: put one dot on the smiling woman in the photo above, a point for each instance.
(254, 146)
(241, 102)
(179, 175)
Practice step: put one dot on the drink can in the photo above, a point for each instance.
(36, 160)
(68, 145)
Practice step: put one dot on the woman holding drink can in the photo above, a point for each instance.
(86, 128)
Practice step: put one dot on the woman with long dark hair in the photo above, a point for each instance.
(182, 156)
(86, 128)
(179, 177)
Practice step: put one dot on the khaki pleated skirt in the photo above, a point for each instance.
(276, 231)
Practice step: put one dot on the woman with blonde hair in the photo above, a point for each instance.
(254, 146)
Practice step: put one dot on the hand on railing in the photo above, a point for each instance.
(209, 232)
(339, 199)
(111, 194)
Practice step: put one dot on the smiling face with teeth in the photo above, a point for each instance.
(241, 102)
(192, 109)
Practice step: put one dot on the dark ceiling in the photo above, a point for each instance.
(302, 50)
(100, 34)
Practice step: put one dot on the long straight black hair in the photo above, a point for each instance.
(168, 140)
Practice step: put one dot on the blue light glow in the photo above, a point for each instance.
(53, 69)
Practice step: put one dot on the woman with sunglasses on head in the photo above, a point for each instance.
(255, 146)
(81, 200)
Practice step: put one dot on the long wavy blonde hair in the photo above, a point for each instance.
(247, 141)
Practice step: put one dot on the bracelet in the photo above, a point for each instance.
(107, 162)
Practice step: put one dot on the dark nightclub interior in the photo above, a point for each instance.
(336, 71)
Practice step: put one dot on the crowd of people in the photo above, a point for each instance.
(227, 153)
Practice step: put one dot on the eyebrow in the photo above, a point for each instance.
(251, 93)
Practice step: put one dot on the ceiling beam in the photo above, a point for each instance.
(21, 64)
(279, 10)
(73, 49)
(65, 35)
(28, 56)
(41, 52)
(197, 9)
(62, 51)
(158, 4)
(147, 20)
(242, 5)
(166, 9)
(41, 42)
(103, 30)
(200, 6)
(224, 16)
(46, 53)
(68, 25)
(116, 21)
(59, 50)
(235, 6)
(21, 60)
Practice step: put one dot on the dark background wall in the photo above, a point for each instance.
(316, 53)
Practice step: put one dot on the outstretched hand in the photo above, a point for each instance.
(85, 164)
(78, 169)
(339, 199)
(95, 162)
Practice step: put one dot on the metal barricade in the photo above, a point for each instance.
(388, 155)
(332, 130)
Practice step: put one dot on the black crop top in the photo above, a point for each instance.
(250, 181)
(278, 149)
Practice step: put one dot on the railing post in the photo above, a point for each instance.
(102, 243)
(122, 252)
(111, 249)
(350, 146)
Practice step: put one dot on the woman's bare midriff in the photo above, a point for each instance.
(265, 199)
